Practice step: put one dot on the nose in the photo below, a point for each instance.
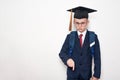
(80, 24)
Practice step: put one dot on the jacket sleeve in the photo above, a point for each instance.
(97, 59)
(64, 51)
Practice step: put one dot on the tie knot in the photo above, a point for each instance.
(80, 35)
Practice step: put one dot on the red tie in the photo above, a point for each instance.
(81, 39)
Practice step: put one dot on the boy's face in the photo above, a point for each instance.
(81, 24)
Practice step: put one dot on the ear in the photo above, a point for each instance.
(88, 21)
(74, 20)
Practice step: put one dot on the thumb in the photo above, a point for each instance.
(73, 68)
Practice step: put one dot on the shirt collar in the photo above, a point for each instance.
(84, 33)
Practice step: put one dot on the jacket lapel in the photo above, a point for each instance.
(77, 42)
(86, 42)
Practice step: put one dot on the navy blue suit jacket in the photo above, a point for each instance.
(82, 58)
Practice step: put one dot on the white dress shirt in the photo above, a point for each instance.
(83, 37)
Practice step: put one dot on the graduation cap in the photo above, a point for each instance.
(79, 13)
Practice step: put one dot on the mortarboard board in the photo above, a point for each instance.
(79, 13)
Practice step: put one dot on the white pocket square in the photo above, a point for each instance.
(93, 43)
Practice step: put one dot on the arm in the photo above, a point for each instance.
(97, 60)
(64, 51)
(67, 60)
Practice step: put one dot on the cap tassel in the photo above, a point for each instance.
(70, 25)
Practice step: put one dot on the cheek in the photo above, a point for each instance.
(84, 27)
(76, 27)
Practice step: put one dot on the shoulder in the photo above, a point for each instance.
(93, 36)
(92, 33)
(72, 33)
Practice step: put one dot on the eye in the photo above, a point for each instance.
(77, 23)
(82, 22)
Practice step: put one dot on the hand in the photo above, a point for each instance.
(94, 78)
(71, 63)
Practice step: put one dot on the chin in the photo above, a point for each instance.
(80, 30)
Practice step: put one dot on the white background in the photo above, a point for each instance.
(32, 33)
